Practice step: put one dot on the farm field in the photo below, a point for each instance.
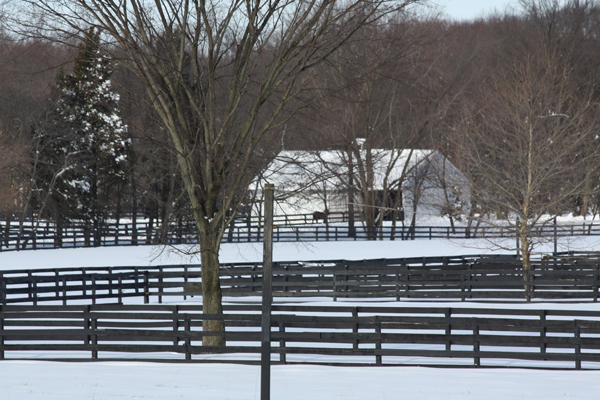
(114, 380)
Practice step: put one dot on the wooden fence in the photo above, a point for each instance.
(127, 234)
(336, 335)
(464, 278)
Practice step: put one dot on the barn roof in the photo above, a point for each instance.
(295, 170)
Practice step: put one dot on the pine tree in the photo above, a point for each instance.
(85, 142)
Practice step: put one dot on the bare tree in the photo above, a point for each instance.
(523, 140)
(14, 168)
(388, 96)
(571, 28)
(26, 69)
(219, 75)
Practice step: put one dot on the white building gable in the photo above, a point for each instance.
(309, 181)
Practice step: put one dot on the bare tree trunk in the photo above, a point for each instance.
(7, 227)
(525, 244)
(351, 227)
(211, 291)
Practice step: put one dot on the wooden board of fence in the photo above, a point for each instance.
(463, 278)
(291, 228)
(334, 335)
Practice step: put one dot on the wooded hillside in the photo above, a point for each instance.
(511, 100)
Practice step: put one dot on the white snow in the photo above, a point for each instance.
(252, 252)
(98, 381)
(32, 380)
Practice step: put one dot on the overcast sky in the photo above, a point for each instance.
(470, 9)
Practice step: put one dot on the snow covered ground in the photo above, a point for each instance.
(29, 380)
(98, 381)
(252, 252)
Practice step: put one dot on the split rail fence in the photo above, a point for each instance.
(336, 335)
(401, 334)
(127, 234)
(463, 278)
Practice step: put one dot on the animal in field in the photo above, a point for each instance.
(320, 215)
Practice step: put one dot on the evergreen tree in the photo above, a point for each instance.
(85, 143)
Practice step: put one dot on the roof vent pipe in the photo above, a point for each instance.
(361, 142)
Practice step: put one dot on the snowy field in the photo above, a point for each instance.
(28, 380)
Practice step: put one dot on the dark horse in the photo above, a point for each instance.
(317, 215)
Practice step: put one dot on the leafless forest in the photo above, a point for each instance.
(511, 100)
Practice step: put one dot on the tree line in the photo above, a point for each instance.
(170, 109)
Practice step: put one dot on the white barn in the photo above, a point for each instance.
(316, 181)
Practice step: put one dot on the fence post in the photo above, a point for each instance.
(1, 332)
(286, 269)
(355, 328)
(176, 327)
(185, 279)
(555, 238)
(136, 280)
(120, 290)
(596, 282)
(448, 316)
(406, 280)
(110, 282)
(397, 285)
(543, 331)
(282, 342)
(2, 289)
(188, 339)
(83, 283)
(146, 288)
(267, 295)
(35, 292)
(56, 284)
(334, 286)
(30, 286)
(93, 289)
(87, 325)
(476, 357)
(160, 282)
(577, 335)
(94, 328)
(64, 291)
(377, 340)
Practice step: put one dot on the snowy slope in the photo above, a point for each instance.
(29, 380)
(252, 252)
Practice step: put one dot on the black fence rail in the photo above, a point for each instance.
(465, 278)
(336, 335)
(74, 284)
(97, 283)
(128, 234)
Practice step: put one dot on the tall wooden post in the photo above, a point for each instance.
(351, 228)
(555, 238)
(265, 357)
